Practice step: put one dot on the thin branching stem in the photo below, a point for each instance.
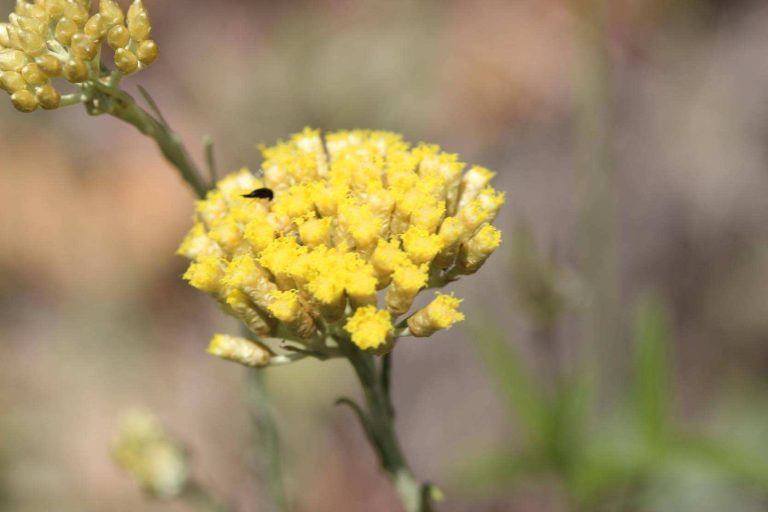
(267, 438)
(107, 98)
(379, 419)
(117, 103)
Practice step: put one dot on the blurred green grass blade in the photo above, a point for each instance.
(566, 423)
(651, 368)
(719, 454)
(496, 470)
(603, 474)
(522, 394)
(536, 280)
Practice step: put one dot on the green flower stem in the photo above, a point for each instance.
(267, 437)
(100, 98)
(105, 99)
(378, 423)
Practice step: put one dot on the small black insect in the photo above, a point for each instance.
(261, 193)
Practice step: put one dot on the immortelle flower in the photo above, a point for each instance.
(336, 237)
(47, 39)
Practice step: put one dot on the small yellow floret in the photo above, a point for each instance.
(429, 217)
(473, 182)
(241, 271)
(421, 246)
(388, 256)
(407, 280)
(205, 274)
(474, 253)
(285, 306)
(410, 278)
(314, 232)
(326, 289)
(227, 233)
(369, 327)
(361, 285)
(197, 243)
(279, 256)
(491, 200)
(294, 202)
(440, 314)
(240, 350)
(259, 234)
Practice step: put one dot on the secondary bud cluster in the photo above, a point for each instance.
(145, 451)
(340, 235)
(46, 39)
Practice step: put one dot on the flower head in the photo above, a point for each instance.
(47, 39)
(355, 226)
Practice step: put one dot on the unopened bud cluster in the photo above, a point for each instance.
(46, 39)
(146, 452)
(360, 223)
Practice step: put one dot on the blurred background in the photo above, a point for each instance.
(615, 355)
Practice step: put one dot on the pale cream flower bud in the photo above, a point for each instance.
(126, 61)
(65, 29)
(12, 60)
(241, 306)
(96, 27)
(147, 52)
(451, 232)
(473, 181)
(5, 39)
(407, 280)
(288, 308)
(118, 37)
(33, 75)
(243, 273)
(240, 350)
(48, 97)
(75, 71)
(111, 12)
(477, 249)
(139, 24)
(83, 47)
(440, 314)
(24, 101)
(76, 12)
(55, 8)
(50, 65)
(11, 81)
(28, 23)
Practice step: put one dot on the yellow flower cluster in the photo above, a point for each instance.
(360, 223)
(143, 450)
(45, 39)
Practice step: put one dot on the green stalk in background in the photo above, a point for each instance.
(594, 136)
